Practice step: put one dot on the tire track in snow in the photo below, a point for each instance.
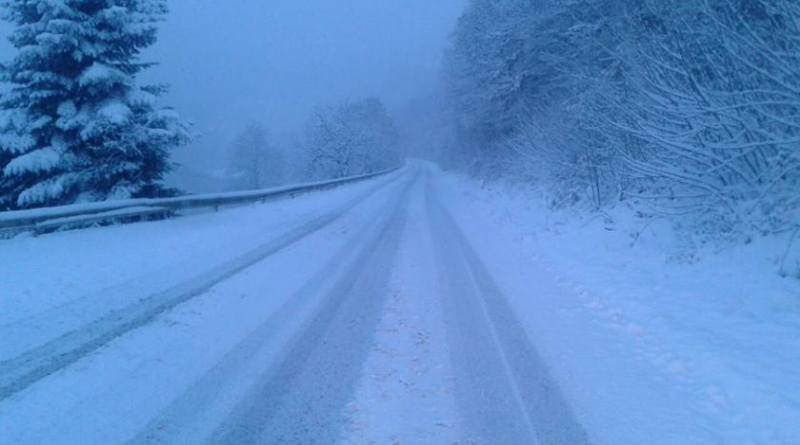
(300, 399)
(19, 373)
(194, 414)
(406, 393)
(503, 387)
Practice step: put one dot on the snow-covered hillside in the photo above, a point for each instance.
(655, 342)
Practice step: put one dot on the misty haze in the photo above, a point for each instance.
(399, 222)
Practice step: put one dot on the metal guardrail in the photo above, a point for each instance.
(54, 218)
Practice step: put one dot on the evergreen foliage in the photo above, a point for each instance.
(75, 127)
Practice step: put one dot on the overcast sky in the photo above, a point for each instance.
(230, 61)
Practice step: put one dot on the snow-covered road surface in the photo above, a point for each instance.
(503, 386)
(64, 343)
(276, 343)
(372, 313)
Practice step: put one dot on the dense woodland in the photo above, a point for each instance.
(684, 110)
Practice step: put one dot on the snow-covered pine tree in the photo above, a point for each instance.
(75, 127)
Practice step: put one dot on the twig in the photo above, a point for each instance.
(788, 249)
(639, 232)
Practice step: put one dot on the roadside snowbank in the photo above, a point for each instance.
(652, 344)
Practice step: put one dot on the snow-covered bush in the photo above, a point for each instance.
(716, 101)
(687, 110)
(75, 126)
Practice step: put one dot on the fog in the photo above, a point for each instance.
(229, 62)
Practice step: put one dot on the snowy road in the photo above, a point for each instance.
(368, 319)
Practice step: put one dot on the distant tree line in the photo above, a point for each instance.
(683, 109)
(351, 138)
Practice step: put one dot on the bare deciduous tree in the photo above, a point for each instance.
(254, 163)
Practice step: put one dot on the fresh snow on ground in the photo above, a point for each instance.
(223, 337)
(406, 394)
(45, 272)
(419, 307)
(651, 345)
